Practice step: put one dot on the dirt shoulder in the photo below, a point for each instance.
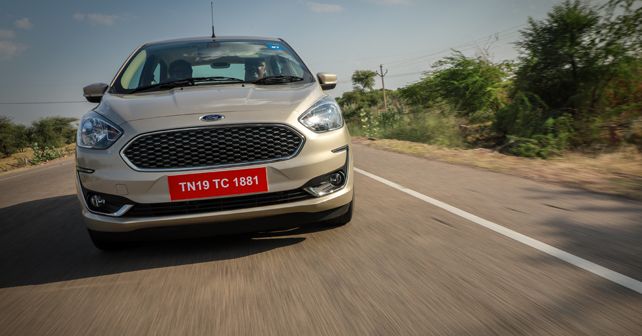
(618, 173)
(24, 160)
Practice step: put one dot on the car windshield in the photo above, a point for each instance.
(167, 65)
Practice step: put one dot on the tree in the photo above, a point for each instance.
(363, 80)
(6, 136)
(52, 132)
(584, 61)
(560, 61)
(620, 96)
(622, 27)
(474, 87)
(12, 137)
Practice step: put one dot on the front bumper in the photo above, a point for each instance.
(263, 224)
(105, 172)
(336, 200)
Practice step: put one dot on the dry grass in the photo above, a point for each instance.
(21, 160)
(618, 173)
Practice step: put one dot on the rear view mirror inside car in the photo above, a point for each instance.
(220, 65)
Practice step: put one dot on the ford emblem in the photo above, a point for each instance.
(212, 117)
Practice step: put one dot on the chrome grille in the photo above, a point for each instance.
(212, 146)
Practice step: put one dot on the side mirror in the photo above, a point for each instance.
(94, 92)
(328, 81)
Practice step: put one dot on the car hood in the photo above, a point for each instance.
(273, 102)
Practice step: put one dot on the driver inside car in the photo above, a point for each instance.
(255, 70)
(179, 70)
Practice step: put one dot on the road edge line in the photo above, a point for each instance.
(574, 260)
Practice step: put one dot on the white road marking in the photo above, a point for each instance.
(584, 264)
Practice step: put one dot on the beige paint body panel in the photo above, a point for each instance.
(122, 224)
(273, 101)
(181, 108)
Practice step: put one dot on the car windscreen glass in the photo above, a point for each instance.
(214, 61)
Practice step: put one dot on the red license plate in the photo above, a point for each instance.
(231, 182)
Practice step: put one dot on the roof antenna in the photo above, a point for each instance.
(212, 12)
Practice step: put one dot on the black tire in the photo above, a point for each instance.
(103, 241)
(343, 219)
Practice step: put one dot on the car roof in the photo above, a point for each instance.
(217, 38)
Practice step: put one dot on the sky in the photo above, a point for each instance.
(49, 50)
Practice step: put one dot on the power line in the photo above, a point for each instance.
(406, 74)
(511, 30)
(346, 81)
(469, 45)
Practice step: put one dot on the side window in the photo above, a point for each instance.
(156, 74)
(131, 78)
(152, 73)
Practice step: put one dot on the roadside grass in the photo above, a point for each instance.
(616, 173)
(27, 158)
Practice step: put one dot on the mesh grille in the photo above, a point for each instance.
(217, 204)
(207, 147)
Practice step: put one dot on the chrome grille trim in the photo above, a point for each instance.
(248, 163)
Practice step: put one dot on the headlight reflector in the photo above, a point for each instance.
(96, 132)
(323, 116)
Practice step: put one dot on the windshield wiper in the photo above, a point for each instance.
(277, 79)
(166, 85)
(188, 82)
(218, 79)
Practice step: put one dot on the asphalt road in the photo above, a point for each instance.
(401, 267)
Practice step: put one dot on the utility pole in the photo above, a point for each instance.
(383, 85)
(212, 17)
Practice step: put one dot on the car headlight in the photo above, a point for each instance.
(97, 132)
(323, 116)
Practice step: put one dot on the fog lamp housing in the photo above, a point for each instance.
(106, 204)
(327, 184)
(97, 201)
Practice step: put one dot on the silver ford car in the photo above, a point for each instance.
(211, 136)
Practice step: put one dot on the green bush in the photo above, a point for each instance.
(554, 142)
(634, 134)
(44, 154)
(369, 123)
(524, 147)
(523, 117)
(354, 102)
(13, 138)
(430, 127)
(474, 87)
(53, 132)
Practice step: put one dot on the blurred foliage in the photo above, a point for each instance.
(431, 126)
(13, 138)
(577, 85)
(44, 154)
(52, 131)
(46, 133)
(582, 61)
(552, 140)
(474, 87)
